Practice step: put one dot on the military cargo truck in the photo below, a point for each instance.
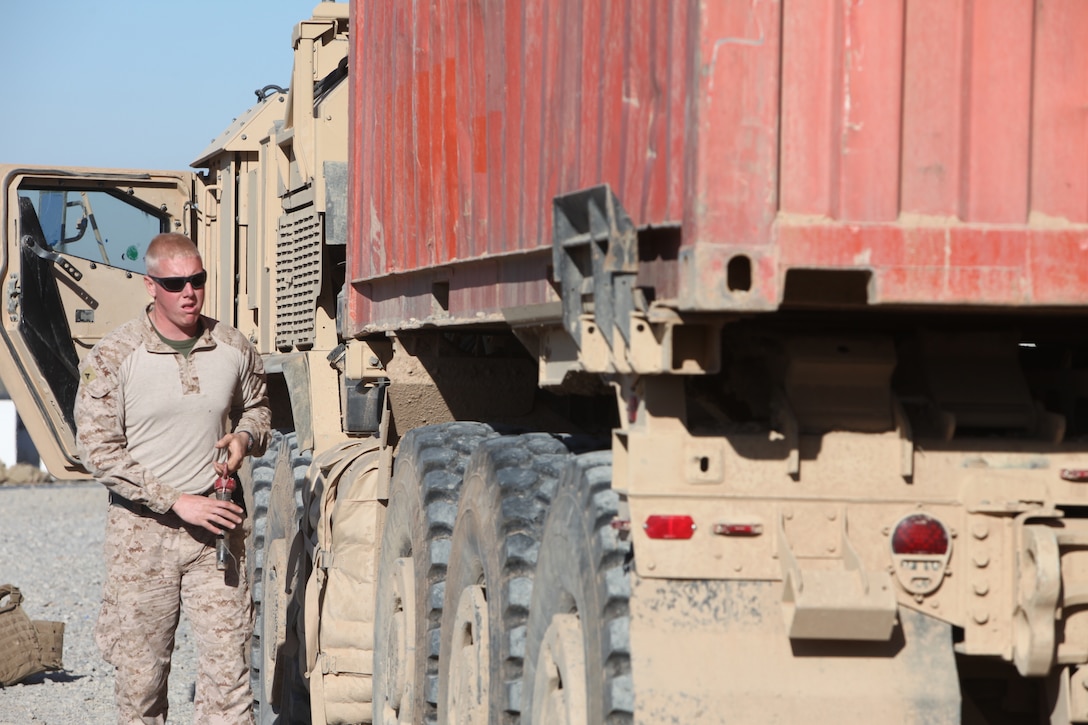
(635, 362)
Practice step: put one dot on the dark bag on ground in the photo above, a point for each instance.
(26, 647)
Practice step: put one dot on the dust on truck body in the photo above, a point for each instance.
(642, 362)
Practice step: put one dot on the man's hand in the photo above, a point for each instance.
(208, 512)
(236, 445)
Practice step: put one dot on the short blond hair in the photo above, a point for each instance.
(169, 245)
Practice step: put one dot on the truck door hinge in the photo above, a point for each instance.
(14, 292)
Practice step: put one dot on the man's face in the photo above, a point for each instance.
(177, 314)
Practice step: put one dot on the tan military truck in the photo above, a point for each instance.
(635, 362)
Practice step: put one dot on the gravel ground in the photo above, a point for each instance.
(51, 548)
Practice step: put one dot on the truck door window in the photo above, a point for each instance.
(106, 227)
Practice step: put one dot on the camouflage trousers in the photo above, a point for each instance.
(156, 567)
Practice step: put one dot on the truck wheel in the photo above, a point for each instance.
(578, 618)
(258, 491)
(508, 486)
(256, 475)
(279, 689)
(411, 575)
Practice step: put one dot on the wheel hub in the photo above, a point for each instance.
(469, 679)
(560, 683)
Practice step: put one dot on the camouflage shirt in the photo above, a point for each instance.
(148, 418)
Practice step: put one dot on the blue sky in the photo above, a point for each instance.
(134, 84)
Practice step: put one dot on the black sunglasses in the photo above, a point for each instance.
(177, 284)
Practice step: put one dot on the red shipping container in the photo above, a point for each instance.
(922, 152)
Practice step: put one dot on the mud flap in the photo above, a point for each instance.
(721, 648)
(339, 607)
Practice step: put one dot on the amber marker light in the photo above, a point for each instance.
(669, 527)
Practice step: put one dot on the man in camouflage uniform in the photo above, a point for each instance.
(161, 400)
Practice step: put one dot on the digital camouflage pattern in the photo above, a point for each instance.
(153, 561)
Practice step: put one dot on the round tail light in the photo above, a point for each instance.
(920, 534)
(921, 548)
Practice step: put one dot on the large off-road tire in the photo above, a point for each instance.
(508, 486)
(578, 660)
(279, 478)
(423, 500)
(256, 475)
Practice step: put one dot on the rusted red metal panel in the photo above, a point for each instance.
(469, 117)
(933, 104)
(732, 142)
(1059, 173)
(810, 50)
(999, 111)
(939, 147)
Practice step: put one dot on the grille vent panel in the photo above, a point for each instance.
(298, 278)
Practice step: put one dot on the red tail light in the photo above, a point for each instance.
(723, 529)
(669, 527)
(920, 534)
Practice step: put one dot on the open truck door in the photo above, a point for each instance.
(71, 269)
